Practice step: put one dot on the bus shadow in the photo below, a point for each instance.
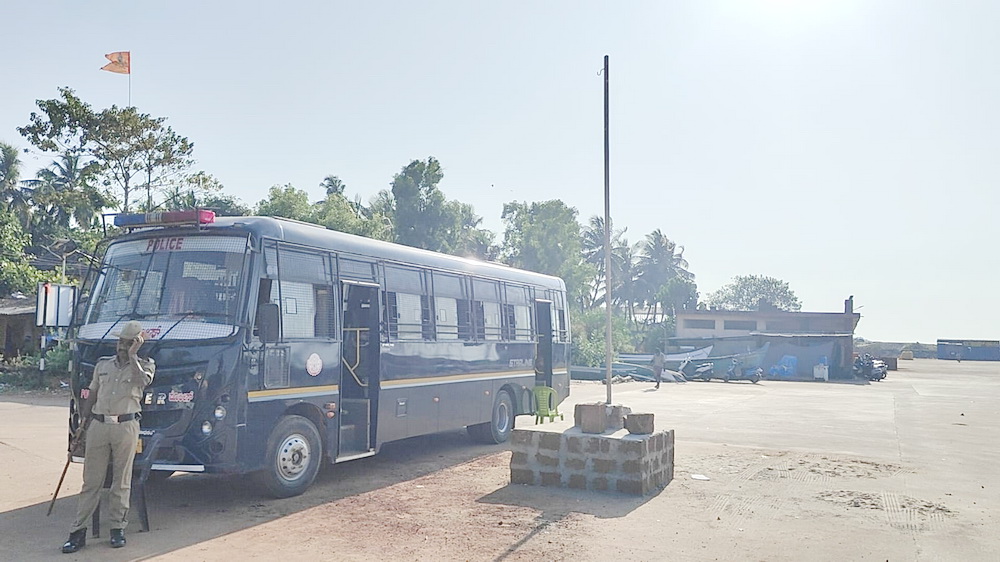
(187, 509)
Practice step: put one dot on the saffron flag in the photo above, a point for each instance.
(121, 62)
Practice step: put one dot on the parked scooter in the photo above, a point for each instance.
(736, 371)
(702, 372)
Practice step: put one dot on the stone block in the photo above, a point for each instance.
(523, 437)
(615, 417)
(632, 468)
(639, 424)
(518, 459)
(549, 441)
(604, 466)
(633, 487)
(551, 478)
(631, 448)
(575, 463)
(578, 481)
(574, 444)
(522, 476)
(599, 483)
(590, 417)
(546, 460)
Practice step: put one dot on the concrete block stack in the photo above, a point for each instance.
(635, 464)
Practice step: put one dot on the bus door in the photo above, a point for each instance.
(359, 379)
(543, 352)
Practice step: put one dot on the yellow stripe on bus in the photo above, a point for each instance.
(327, 389)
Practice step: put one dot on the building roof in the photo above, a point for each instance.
(14, 306)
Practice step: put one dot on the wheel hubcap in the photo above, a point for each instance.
(293, 457)
(503, 418)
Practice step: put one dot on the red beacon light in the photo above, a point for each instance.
(198, 216)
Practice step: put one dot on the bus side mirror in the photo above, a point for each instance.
(268, 322)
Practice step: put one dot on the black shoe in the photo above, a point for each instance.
(77, 540)
(117, 538)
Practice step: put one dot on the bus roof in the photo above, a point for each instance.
(305, 234)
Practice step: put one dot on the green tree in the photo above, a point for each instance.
(288, 202)
(202, 190)
(424, 218)
(65, 192)
(13, 198)
(132, 150)
(545, 237)
(336, 212)
(660, 261)
(746, 292)
(593, 254)
(16, 274)
(332, 185)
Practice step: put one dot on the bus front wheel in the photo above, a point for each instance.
(294, 453)
(501, 423)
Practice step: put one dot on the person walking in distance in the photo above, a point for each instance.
(659, 360)
(114, 398)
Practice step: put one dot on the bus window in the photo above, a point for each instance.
(446, 318)
(409, 313)
(463, 311)
(491, 320)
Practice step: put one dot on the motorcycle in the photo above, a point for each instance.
(736, 371)
(867, 367)
(703, 372)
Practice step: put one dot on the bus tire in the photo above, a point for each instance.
(294, 453)
(501, 423)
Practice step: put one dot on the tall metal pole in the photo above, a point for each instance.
(607, 239)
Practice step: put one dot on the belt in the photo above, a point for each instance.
(104, 418)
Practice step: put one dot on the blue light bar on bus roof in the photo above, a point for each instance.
(199, 216)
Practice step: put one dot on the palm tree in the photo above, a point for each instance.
(593, 253)
(661, 260)
(16, 199)
(63, 191)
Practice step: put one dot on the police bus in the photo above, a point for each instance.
(279, 343)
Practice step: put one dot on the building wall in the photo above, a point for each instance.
(727, 323)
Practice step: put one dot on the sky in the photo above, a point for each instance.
(846, 147)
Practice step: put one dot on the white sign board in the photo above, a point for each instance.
(54, 307)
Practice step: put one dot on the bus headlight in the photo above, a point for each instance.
(206, 427)
(220, 412)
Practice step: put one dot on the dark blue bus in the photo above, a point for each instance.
(279, 343)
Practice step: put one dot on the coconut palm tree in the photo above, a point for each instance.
(661, 260)
(593, 253)
(64, 192)
(12, 195)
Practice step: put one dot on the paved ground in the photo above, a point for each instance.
(904, 469)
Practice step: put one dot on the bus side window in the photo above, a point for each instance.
(263, 296)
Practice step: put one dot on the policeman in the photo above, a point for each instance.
(115, 392)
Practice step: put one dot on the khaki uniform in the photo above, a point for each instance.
(116, 390)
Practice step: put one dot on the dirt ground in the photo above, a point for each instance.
(904, 469)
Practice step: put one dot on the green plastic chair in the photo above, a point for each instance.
(545, 404)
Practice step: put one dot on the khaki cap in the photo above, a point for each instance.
(131, 330)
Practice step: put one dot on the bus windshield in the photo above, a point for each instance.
(178, 287)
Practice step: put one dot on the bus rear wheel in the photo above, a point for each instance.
(501, 423)
(294, 453)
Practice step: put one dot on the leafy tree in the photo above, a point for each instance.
(131, 149)
(202, 190)
(545, 237)
(288, 202)
(424, 218)
(336, 212)
(677, 294)
(746, 292)
(16, 274)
